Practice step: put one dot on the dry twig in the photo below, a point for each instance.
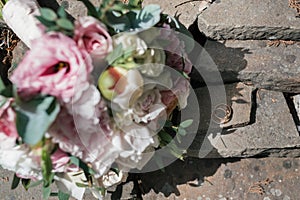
(276, 43)
(296, 5)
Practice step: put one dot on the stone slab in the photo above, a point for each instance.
(247, 179)
(186, 10)
(296, 101)
(215, 179)
(253, 61)
(274, 132)
(238, 98)
(74, 8)
(250, 19)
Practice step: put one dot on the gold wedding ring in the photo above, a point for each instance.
(222, 114)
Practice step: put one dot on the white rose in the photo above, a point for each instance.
(131, 42)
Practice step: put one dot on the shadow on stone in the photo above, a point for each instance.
(192, 171)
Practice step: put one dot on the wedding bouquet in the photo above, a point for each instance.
(94, 97)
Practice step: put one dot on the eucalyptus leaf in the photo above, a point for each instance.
(65, 24)
(119, 23)
(45, 22)
(181, 131)
(48, 14)
(34, 117)
(147, 17)
(186, 123)
(61, 12)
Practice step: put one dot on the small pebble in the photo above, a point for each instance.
(278, 192)
(272, 191)
(267, 198)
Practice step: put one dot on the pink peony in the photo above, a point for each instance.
(54, 66)
(91, 35)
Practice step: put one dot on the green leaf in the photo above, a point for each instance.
(82, 165)
(45, 22)
(26, 183)
(5, 91)
(34, 117)
(81, 185)
(165, 136)
(92, 11)
(181, 131)
(65, 23)
(46, 192)
(48, 14)
(35, 183)
(46, 165)
(15, 182)
(63, 196)
(148, 16)
(2, 86)
(61, 12)
(186, 123)
(136, 3)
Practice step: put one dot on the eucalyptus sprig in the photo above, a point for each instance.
(56, 21)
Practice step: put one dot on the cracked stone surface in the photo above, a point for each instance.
(273, 133)
(269, 67)
(249, 179)
(186, 10)
(250, 19)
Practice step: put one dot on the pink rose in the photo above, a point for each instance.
(53, 66)
(177, 58)
(91, 35)
(7, 120)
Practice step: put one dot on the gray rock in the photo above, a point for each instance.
(250, 19)
(273, 132)
(187, 11)
(74, 8)
(253, 61)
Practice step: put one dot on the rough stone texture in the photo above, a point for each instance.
(274, 68)
(248, 179)
(186, 10)
(74, 8)
(296, 102)
(273, 132)
(250, 19)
